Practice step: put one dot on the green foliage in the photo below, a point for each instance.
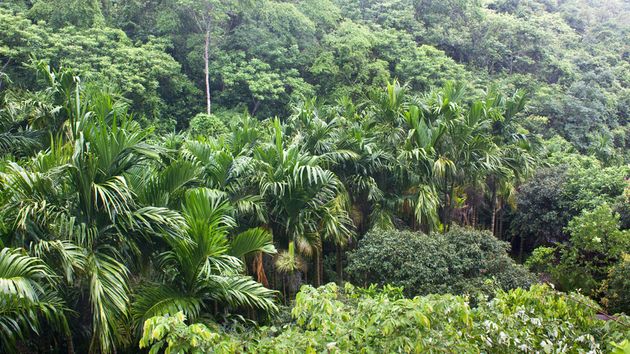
(207, 126)
(355, 320)
(78, 208)
(555, 195)
(209, 264)
(540, 259)
(591, 187)
(429, 67)
(616, 287)
(122, 225)
(78, 13)
(144, 73)
(458, 262)
(597, 231)
(267, 56)
(180, 338)
(621, 348)
(28, 298)
(596, 245)
(347, 59)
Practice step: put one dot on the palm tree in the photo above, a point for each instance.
(19, 111)
(516, 159)
(208, 262)
(76, 194)
(298, 190)
(26, 118)
(28, 295)
(320, 131)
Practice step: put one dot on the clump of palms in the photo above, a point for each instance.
(205, 265)
(75, 206)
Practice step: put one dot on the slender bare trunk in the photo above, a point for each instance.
(500, 222)
(339, 265)
(493, 222)
(256, 106)
(318, 277)
(259, 269)
(494, 216)
(207, 70)
(446, 206)
(70, 344)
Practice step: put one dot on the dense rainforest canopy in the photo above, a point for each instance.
(186, 175)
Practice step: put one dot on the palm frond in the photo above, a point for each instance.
(250, 241)
(242, 291)
(25, 295)
(108, 298)
(69, 256)
(160, 299)
(20, 273)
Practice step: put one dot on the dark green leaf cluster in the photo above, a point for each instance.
(461, 261)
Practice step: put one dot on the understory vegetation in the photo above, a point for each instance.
(304, 176)
(348, 320)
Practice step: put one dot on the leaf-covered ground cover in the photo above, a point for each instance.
(333, 319)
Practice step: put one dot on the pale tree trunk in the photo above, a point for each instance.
(493, 221)
(206, 69)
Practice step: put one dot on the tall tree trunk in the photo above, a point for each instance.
(494, 217)
(70, 344)
(446, 206)
(494, 209)
(500, 220)
(339, 265)
(318, 277)
(255, 107)
(206, 59)
(259, 269)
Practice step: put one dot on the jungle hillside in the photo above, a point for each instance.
(314, 176)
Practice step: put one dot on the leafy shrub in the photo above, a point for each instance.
(351, 320)
(595, 245)
(207, 125)
(541, 216)
(616, 288)
(457, 262)
(591, 187)
(178, 337)
(540, 259)
(548, 201)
